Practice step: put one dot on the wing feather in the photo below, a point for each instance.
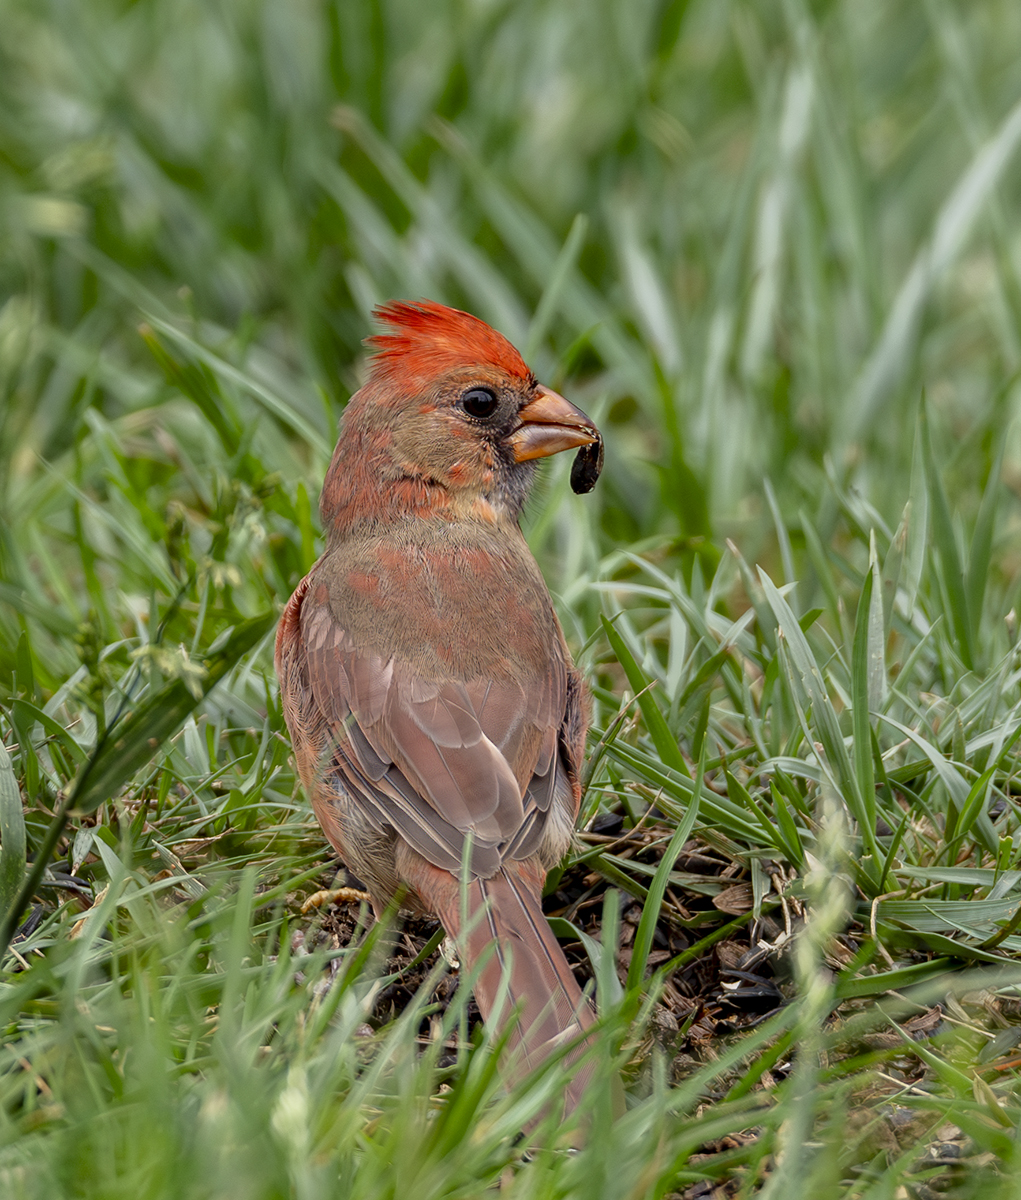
(438, 758)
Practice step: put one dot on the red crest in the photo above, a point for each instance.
(429, 339)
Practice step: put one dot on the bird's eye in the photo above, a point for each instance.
(479, 402)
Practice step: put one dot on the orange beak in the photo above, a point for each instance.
(549, 424)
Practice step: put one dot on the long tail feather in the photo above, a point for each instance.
(527, 972)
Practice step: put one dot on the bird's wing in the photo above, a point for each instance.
(439, 759)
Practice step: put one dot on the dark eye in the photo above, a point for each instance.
(479, 402)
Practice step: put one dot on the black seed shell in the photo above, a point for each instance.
(588, 463)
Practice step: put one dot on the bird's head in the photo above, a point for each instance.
(451, 420)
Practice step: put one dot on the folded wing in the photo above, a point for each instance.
(440, 758)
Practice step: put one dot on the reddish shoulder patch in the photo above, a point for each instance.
(363, 583)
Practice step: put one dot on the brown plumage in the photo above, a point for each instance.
(425, 680)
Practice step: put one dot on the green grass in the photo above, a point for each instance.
(774, 249)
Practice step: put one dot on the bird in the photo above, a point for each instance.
(437, 720)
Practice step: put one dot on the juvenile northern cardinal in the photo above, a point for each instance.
(431, 699)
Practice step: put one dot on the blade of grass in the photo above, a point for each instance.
(664, 741)
(956, 217)
(12, 835)
(783, 540)
(951, 573)
(551, 297)
(860, 673)
(822, 714)
(657, 889)
(980, 549)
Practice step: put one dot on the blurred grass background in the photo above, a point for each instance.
(773, 248)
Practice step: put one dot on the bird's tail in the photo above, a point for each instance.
(527, 971)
